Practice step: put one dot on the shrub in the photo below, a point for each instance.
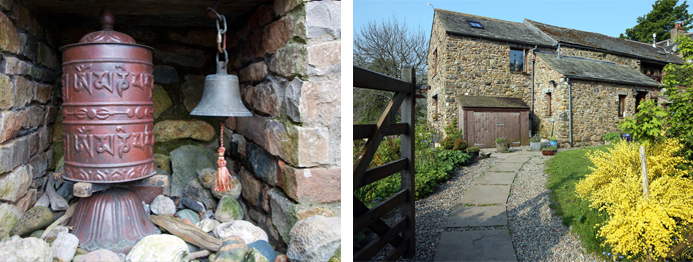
(635, 225)
(548, 147)
(473, 149)
(552, 138)
(535, 138)
(453, 139)
(612, 137)
(502, 141)
(647, 124)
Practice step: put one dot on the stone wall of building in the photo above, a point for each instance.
(28, 70)
(436, 51)
(595, 106)
(601, 56)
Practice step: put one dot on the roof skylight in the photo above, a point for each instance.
(475, 24)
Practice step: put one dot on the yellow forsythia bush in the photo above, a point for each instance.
(636, 225)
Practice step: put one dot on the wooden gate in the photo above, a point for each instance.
(401, 235)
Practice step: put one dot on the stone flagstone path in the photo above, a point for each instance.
(482, 209)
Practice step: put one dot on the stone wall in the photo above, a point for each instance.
(28, 70)
(289, 150)
(595, 106)
(437, 46)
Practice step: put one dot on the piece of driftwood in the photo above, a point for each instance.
(190, 234)
(199, 254)
(58, 203)
(61, 221)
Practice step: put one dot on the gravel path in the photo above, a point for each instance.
(536, 233)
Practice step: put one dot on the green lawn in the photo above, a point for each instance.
(565, 170)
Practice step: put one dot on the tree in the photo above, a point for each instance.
(662, 18)
(385, 48)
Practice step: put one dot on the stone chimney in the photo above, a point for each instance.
(677, 30)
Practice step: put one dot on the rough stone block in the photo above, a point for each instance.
(313, 146)
(264, 98)
(323, 20)
(254, 72)
(283, 213)
(10, 124)
(252, 128)
(260, 17)
(317, 185)
(293, 99)
(192, 90)
(322, 113)
(164, 74)
(34, 143)
(324, 58)
(15, 184)
(13, 153)
(46, 56)
(290, 61)
(169, 130)
(281, 7)
(14, 66)
(45, 135)
(6, 92)
(27, 201)
(43, 93)
(28, 46)
(277, 34)
(33, 116)
(252, 188)
(40, 163)
(24, 91)
(9, 38)
(253, 46)
(276, 138)
(262, 164)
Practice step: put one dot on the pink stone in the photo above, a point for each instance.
(252, 128)
(323, 55)
(254, 72)
(43, 93)
(319, 185)
(328, 95)
(313, 146)
(277, 34)
(24, 91)
(9, 124)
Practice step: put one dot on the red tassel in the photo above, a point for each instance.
(223, 181)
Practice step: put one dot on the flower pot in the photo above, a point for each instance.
(501, 147)
(535, 146)
(548, 152)
(553, 143)
(474, 154)
(627, 136)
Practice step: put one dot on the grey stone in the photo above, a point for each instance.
(229, 209)
(195, 191)
(162, 205)
(57, 231)
(189, 215)
(191, 90)
(193, 204)
(207, 177)
(482, 245)
(241, 228)
(283, 213)
(186, 161)
(100, 255)
(293, 99)
(262, 164)
(235, 190)
(28, 46)
(290, 61)
(15, 184)
(486, 195)
(159, 248)
(493, 178)
(65, 190)
(323, 20)
(477, 216)
(314, 239)
(506, 167)
(35, 218)
(165, 74)
(64, 246)
(9, 216)
(27, 249)
(161, 100)
(207, 224)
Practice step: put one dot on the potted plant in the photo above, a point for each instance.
(611, 138)
(535, 143)
(627, 136)
(548, 150)
(473, 151)
(553, 141)
(502, 144)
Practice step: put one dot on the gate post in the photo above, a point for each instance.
(407, 151)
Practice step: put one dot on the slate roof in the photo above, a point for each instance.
(586, 69)
(608, 43)
(495, 29)
(491, 102)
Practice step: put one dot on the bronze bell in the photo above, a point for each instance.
(221, 96)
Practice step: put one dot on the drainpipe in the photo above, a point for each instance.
(570, 111)
(531, 104)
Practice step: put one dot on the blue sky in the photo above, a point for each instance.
(607, 17)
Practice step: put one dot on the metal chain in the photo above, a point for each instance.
(221, 35)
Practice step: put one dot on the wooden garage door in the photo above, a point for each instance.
(485, 127)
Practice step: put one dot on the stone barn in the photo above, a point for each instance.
(578, 85)
(284, 159)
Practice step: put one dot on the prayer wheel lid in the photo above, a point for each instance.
(106, 34)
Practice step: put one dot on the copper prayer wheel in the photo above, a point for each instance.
(108, 115)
